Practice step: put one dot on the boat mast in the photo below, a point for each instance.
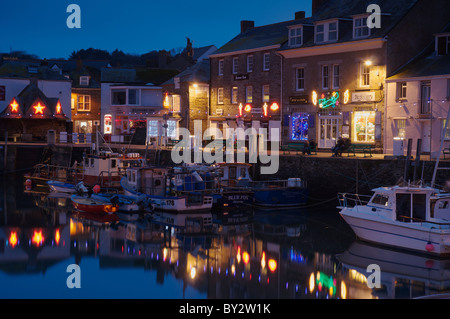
(440, 149)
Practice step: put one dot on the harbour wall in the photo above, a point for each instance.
(325, 175)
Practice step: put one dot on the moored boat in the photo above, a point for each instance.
(93, 204)
(156, 184)
(413, 217)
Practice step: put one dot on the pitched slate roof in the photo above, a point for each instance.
(199, 72)
(118, 75)
(259, 37)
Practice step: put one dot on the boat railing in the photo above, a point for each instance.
(109, 179)
(57, 173)
(351, 200)
(439, 225)
(277, 184)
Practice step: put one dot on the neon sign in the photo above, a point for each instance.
(326, 102)
(58, 108)
(14, 106)
(39, 108)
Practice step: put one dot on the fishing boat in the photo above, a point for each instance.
(209, 177)
(291, 192)
(413, 217)
(129, 204)
(61, 187)
(168, 191)
(93, 204)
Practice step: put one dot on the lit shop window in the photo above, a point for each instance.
(153, 128)
(300, 123)
(108, 123)
(364, 126)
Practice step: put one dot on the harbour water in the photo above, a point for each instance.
(303, 253)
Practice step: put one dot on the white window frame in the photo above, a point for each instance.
(295, 37)
(266, 61)
(358, 31)
(326, 32)
(220, 67)
(235, 65)
(363, 75)
(336, 76)
(234, 95)
(249, 94)
(176, 103)
(300, 79)
(402, 89)
(400, 128)
(266, 93)
(219, 95)
(83, 103)
(84, 80)
(250, 63)
(138, 97)
(325, 76)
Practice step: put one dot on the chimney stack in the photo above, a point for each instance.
(299, 15)
(316, 4)
(246, 25)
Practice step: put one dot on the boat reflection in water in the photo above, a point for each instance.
(243, 254)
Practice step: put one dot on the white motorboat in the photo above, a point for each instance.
(413, 217)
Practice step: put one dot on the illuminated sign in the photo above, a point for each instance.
(39, 109)
(274, 107)
(58, 108)
(331, 101)
(14, 106)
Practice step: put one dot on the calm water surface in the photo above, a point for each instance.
(303, 253)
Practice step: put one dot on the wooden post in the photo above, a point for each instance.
(5, 154)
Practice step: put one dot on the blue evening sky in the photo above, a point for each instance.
(133, 26)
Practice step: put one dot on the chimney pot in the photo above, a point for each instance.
(246, 25)
(299, 15)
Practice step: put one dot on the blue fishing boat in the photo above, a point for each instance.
(290, 192)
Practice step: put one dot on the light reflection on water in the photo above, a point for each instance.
(248, 254)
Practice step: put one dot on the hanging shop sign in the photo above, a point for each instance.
(299, 100)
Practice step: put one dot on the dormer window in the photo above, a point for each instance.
(443, 44)
(360, 28)
(295, 37)
(326, 32)
(84, 80)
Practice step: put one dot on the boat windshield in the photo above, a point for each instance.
(380, 199)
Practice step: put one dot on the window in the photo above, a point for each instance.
(172, 129)
(220, 70)
(364, 75)
(336, 76)
(176, 103)
(119, 96)
(400, 126)
(380, 200)
(300, 79)
(266, 62)
(266, 93)
(107, 122)
(153, 128)
(176, 82)
(360, 29)
(84, 103)
(443, 45)
(320, 33)
(296, 37)
(332, 31)
(220, 96)
(364, 126)
(299, 127)
(235, 65)
(401, 91)
(84, 80)
(325, 76)
(249, 94)
(249, 63)
(326, 32)
(425, 98)
(133, 96)
(234, 95)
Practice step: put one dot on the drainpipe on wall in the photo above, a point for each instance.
(281, 98)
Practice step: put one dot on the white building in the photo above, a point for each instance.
(418, 99)
(125, 104)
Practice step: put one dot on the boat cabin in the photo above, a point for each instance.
(147, 180)
(110, 163)
(235, 174)
(411, 204)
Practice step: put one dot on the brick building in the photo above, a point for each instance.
(246, 77)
